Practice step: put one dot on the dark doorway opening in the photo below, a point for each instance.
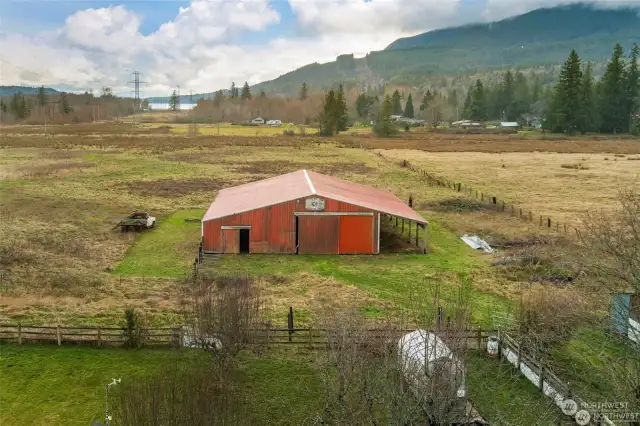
(297, 222)
(244, 241)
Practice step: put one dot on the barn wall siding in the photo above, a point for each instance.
(273, 227)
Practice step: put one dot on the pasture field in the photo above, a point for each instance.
(62, 261)
(563, 186)
(45, 385)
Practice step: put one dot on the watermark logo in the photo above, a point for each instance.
(583, 417)
(569, 407)
(585, 412)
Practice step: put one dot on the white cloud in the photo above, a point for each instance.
(500, 9)
(197, 49)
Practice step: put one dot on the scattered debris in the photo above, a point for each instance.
(477, 243)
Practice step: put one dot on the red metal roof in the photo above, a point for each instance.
(301, 184)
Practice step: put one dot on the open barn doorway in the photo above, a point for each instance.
(244, 241)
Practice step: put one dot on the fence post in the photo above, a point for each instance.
(565, 228)
(540, 220)
(99, 337)
(520, 213)
(494, 200)
(290, 322)
(479, 338)
(530, 216)
(58, 335)
(482, 196)
(19, 334)
(548, 222)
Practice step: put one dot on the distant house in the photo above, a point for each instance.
(509, 125)
(274, 123)
(465, 124)
(257, 120)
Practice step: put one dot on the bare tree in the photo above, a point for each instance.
(221, 313)
(183, 392)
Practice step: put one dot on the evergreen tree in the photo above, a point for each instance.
(42, 96)
(633, 85)
(587, 113)
(384, 127)
(426, 100)
(341, 112)
(506, 95)
(466, 108)
(536, 92)
(395, 103)
(174, 101)
(233, 91)
(217, 99)
(477, 106)
(3, 106)
(64, 104)
(408, 108)
(363, 105)
(303, 91)
(246, 92)
(614, 95)
(328, 121)
(562, 115)
(262, 94)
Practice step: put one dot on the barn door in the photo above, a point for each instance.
(230, 241)
(356, 235)
(318, 234)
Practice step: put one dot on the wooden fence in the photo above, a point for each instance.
(494, 202)
(178, 336)
(545, 380)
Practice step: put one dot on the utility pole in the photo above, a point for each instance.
(136, 89)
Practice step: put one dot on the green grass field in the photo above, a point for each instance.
(46, 385)
(166, 251)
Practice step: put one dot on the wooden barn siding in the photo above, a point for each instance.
(354, 231)
(272, 227)
(318, 234)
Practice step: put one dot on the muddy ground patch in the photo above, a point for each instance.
(174, 187)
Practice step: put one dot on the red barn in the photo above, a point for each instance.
(301, 212)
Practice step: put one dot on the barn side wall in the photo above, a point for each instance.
(273, 227)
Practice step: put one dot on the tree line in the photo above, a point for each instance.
(64, 107)
(575, 103)
(580, 104)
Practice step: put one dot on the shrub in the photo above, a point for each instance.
(577, 166)
(385, 128)
(133, 329)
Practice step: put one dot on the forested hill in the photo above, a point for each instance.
(25, 90)
(561, 24)
(539, 38)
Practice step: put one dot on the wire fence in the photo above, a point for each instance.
(495, 203)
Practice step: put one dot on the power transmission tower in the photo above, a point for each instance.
(136, 89)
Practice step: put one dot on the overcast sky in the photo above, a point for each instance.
(203, 45)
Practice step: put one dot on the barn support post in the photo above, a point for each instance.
(424, 238)
(396, 221)
(417, 233)
(410, 231)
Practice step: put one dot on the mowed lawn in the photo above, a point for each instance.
(47, 385)
(168, 250)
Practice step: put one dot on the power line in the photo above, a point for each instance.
(136, 88)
